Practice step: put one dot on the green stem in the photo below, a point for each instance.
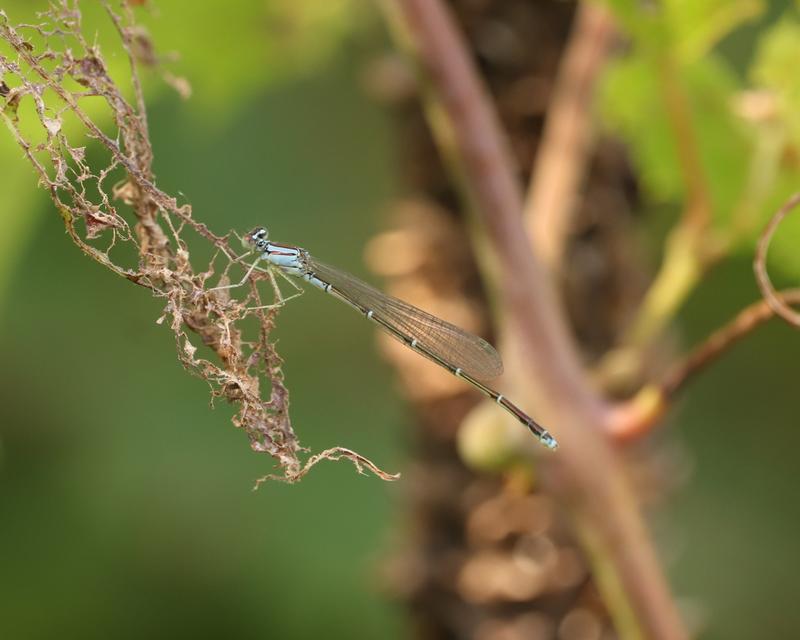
(680, 272)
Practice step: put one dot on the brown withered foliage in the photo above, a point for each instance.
(48, 73)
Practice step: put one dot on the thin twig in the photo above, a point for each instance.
(565, 149)
(639, 415)
(361, 464)
(584, 474)
(746, 321)
(778, 305)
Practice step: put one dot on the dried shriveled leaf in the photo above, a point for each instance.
(119, 202)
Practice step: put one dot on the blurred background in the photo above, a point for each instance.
(126, 507)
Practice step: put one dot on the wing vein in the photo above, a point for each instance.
(470, 353)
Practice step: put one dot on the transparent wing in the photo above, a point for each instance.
(472, 354)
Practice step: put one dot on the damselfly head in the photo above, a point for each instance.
(256, 240)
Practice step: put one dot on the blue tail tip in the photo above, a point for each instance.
(548, 441)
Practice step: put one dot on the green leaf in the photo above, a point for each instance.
(775, 74)
(644, 25)
(685, 29)
(630, 104)
(697, 25)
(633, 107)
(777, 70)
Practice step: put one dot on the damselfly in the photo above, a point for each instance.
(462, 354)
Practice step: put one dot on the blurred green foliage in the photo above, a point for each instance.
(125, 501)
(735, 63)
(743, 117)
(634, 108)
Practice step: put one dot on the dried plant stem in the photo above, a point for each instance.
(585, 473)
(775, 302)
(564, 152)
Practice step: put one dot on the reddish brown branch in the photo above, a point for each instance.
(760, 265)
(639, 415)
(563, 154)
(585, 474)
(723, 339)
